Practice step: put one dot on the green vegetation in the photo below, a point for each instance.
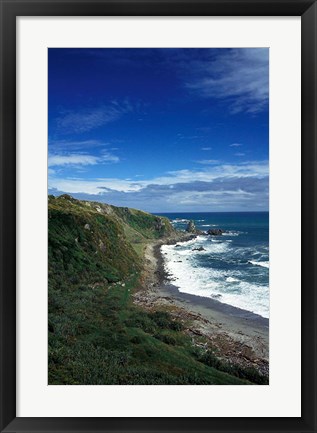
(147, 225)
(96, 334)
(248, 373)
(86, 245)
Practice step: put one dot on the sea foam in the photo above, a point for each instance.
(263, 264)
(192, 271)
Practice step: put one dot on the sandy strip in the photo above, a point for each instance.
(238, 335)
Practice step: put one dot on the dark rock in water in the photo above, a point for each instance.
(199, 249)
(215, 232)
(177, 246)
(191, 227)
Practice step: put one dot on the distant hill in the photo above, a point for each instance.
(95, 242)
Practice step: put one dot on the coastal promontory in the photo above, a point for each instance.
(108, 322)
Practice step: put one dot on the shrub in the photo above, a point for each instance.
(165, 338)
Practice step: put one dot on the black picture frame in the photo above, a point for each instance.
(10, 9)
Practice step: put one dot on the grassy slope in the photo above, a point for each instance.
(96, 334)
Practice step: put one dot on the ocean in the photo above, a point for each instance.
(232, 268)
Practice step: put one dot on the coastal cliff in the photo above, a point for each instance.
(104, 327)
(98, 243)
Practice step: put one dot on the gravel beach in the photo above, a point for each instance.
(238, 336)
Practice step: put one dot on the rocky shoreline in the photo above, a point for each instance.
(237, 336)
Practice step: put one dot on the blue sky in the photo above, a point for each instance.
(163, 130)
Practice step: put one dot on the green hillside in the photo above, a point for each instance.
(96, 334)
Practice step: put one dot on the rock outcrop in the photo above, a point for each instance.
(191, 228)
(159, 224)
(215, 232)
(199, 249)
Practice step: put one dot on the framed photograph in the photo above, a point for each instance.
(158, 216)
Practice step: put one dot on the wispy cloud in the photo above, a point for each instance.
(235, 145)
(206, 148)
(80, 159)
(74, 159)
(93, 186)
(240, 76)
(208, 161)
(242, 170)
(80, 121)
(225, 170)
(76, 145)
(221, 194)
(239, 154)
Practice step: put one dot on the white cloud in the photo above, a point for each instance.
(235, 145)
(208, 161)
(77, 122)
(94, 186)
(226, 170)
(213, 196)
(79, 159)
(251, 169)
(240, 75)
(108, 157)
(76, 145)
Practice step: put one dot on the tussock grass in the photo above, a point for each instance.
(96, 335)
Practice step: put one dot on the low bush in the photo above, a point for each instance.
(247, 373)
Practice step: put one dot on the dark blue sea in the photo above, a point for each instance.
(232, 268)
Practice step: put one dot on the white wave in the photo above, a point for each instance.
(232, 233)
(201, 238)
(184, 269)
(188, 248)
(216, 247)
(185, 243)
(263, 258)
(179, 221)
(250, 298)
(231, 280)
(263, 264)
(183, 253)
